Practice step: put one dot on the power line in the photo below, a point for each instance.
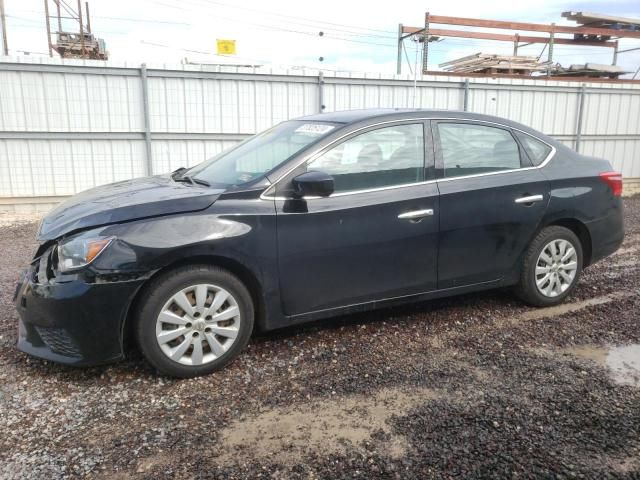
(272, 27)
(469, 44)
(306, 23)
(266, 12)
(359, 36)
(406, 55)
(153, 44)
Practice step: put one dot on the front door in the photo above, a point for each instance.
(491, 201)
(375, 237)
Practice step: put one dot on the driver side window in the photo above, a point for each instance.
(378, 158)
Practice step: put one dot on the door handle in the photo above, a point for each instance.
(416, 214)
(530, 199)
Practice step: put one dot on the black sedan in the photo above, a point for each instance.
(313, 218)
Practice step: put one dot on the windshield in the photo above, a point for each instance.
(257, 155)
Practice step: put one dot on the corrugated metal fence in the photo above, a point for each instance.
(68, 126)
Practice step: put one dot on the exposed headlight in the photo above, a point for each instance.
(81, 250)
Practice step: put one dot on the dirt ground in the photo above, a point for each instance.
(466, 387)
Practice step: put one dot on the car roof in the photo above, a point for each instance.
(355, 116)
(352, 116)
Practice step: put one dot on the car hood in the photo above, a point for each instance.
(127, 200)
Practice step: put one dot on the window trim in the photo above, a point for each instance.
(428, 163)
(429, 123)
(521, 143)
(426, 158)
(523, 158)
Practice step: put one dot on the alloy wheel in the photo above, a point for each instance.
(556, 267)
(198, 324)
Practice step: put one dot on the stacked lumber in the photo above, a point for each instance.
(598, 20)
(492, 63)
(590, 70)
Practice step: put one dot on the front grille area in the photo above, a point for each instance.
(44, 264)
(58, 341)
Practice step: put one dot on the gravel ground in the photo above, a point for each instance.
(472, 386)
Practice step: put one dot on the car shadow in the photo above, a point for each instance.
(497, 298)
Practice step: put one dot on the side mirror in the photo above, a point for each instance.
(313, 184)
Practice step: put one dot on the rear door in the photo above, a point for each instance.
(376, 236)
(492, 200)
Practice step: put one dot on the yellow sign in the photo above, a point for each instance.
(226, 47)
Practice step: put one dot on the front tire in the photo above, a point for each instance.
(194, 320)
(551, 267)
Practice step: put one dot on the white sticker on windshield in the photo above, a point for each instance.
(314, 128)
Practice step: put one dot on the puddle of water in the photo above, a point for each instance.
(563, 308)
(622, 361)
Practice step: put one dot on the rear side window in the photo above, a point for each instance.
(379, 158)
(536, 149)
(470, 149)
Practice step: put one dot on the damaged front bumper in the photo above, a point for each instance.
(73, 322)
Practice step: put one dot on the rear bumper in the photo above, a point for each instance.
(607, 234)
(74, 323)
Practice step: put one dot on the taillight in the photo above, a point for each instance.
(614, 180)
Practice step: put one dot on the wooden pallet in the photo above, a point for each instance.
(493, 63)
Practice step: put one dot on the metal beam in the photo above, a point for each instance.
(531, 27)
(3, 30)
(320, 92)
(230, 76)
(156, 73)
(32, 200)
(534, 84)
(81, 28)
(629, 50)
(57, 2)
(43, 68)
(444, 32)
(86, 4)
(200, 136)
(614, 83)
(147, 119)
(71, 135)
(140, 136)
(399, 58)
(425, 45)
(48, 25)
(465, 101)
(551, 41)
(580, 114)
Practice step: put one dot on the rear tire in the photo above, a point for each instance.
(551, 267)
(194, 320)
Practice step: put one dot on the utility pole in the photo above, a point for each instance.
(399, 59)
(57, 2)
(46, 15)
(425, 44)
(86, 7)
(81, 29)
(3, 29)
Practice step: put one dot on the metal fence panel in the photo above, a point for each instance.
(43, 168)
(66, 126)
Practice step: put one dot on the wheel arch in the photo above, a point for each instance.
(581, 231)
(244, 274)
(578, 227)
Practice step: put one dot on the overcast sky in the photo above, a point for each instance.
(357, 35)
